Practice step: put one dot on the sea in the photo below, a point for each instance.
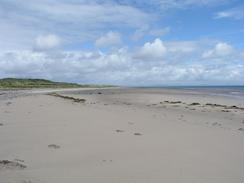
(228, 91)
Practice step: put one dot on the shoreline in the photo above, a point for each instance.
(222, 91)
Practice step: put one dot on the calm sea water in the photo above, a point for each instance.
(229, 91)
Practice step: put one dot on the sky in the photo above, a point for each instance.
(124, 42)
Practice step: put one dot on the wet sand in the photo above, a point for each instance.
(120, 135)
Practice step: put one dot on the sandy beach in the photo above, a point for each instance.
(120, 135)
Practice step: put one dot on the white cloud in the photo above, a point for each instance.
(82, 20)
(155, 63)
(160, 32)
(109, 39)
(140, 32)
(221, 49)
(242, 54)
(98, 67)
(146, 30)
(236, 13)
(182, 46)
(77, 21)
(152, 51)
(73, 21)
(47, 42)
(223, 14)
(174, 4)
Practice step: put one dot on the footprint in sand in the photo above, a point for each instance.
(181, 117)
(27, 181)
(119, 131)
(216, 124)
(107, 161)
(11, 165)
(8, 103)
(53, 146)
(241, 129)
(138, 134)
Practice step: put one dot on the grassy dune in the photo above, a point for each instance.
(39, 83)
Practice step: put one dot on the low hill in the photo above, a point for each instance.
(37, 83)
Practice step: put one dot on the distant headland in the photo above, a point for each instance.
(42, 83)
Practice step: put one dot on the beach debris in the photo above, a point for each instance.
(67, 97)
(172, 102)
(99, 93)
(1, 124)
(234, 107)
(215, 105)
(225, 110)
(137, 134)
(119, 131)
(6, 164)
(195, 103)
(53, 146)
(225, 106)
(19, 160)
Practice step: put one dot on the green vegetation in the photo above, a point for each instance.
(40, 83)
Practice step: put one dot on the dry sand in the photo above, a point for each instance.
(121, 136)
